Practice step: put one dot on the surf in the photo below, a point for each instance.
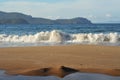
(58, 36)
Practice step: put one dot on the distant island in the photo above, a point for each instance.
(19, 18)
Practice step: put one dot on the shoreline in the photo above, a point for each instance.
(60, 45)
(49, 60)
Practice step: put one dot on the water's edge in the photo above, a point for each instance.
(73, 76)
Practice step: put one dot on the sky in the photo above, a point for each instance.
(98, 11)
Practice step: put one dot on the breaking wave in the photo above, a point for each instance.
(57, 36)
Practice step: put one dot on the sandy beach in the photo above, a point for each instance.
(60, 60)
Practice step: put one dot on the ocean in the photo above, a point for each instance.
(49, 35)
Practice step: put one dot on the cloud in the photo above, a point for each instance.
(53, 17)
(42, 9)
(91, 16)
(108, 15)
(91, 9)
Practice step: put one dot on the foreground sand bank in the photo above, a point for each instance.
(60, 60)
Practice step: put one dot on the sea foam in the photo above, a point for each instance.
(57, 36)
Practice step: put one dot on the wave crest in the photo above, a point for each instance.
(59, 36)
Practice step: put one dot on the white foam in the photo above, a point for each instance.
(94, 38)
(56, 36)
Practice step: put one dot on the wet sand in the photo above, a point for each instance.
(60, 60)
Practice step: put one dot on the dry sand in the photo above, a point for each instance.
(60, 60)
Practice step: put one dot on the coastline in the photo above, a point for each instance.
(49, 60)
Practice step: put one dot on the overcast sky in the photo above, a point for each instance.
(95, 10)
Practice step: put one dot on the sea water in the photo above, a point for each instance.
(74, 76)
(42, 35)
(39, 35)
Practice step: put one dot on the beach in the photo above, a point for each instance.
(60, 60)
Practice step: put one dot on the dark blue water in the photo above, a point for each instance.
(84, 28)
(21, 35)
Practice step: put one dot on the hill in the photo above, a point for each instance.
(19, 18)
